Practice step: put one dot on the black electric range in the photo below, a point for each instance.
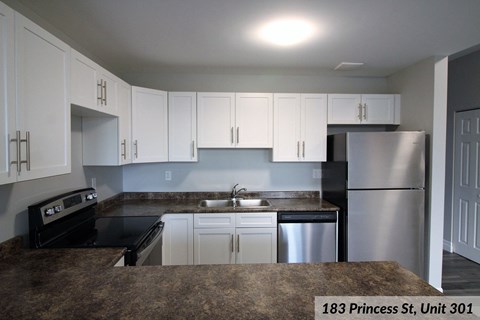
(69, 221)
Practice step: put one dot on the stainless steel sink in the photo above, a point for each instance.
(229, 203)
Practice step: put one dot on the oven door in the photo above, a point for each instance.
(151, 254)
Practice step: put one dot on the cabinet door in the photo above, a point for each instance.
(286, 127)
(214, 246)
(254, 120)
(149, 125)
(124, 102)
(182, 126)
(256, 245)
(314, 127)
(43, 103)
(378, 109)
(8, 150)
(344, 109)
(216, 120)
(177, 239)
(84, 75)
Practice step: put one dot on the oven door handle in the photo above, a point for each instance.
(143, 255)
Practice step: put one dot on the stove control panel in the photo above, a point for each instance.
(65, 204)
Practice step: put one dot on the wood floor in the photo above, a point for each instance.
(461, 277)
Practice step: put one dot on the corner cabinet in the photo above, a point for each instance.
(42, 141)
(382, 109)
(235, 120)
(300, 127)
(93, 87)
(149, 125)
(226, 238)
(182, 127)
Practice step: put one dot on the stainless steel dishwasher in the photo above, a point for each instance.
(307, 237)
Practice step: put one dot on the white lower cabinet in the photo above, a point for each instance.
(226, 238)
(177, 239)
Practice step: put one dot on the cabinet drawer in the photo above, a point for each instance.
(256, 220)
(214, 220)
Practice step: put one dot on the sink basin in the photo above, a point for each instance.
(245, 203)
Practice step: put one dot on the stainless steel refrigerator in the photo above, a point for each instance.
(378, 179)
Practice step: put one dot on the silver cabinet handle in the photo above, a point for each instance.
(303, 152)
(232, 244)
(298, 149)
(193, 149)
(238, 243)
(100, 92)
(18, 151)
(136, 148)
(238, 135)
(364, 111)
(231, 133)
(360, 111)
(124, 149)
(104, 86)
(27, 140)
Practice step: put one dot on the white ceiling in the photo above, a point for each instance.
(154, 35)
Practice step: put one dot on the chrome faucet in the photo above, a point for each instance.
(235, 192)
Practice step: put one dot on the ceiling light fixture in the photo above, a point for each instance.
(287, 32)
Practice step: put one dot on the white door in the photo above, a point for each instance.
(8, 150)
(286, 127)
(182, 126)
(254, 120)
(149, 125)
(378, 109)
(256, 245)
(344, 109)
(216, 119)
(314, 127)
(109, 92)
(466, 213)
(214, 246)
(84, 74)
(177, 239)
(43, 102)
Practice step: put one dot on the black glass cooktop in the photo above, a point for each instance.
(127, 231)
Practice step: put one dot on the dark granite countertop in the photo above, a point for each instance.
(160, 203)
(83, 284)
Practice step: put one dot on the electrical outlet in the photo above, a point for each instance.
(94, 183)
(168, 175)
(317, 174)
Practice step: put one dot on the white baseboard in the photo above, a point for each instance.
(447, 246)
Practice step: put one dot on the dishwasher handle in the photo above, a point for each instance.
(307, 217)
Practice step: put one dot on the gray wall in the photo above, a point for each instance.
(16, 197)
(423, 87)
(463, 94)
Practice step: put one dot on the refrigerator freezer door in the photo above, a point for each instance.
(387, 225)
(386, 160)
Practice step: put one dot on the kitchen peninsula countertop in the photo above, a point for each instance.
(138, 203)
(83, 284)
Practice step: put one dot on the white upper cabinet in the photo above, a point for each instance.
(216, 119)
(254, 120)
(7, 91)
(229, 120)
(42, 101)
(107, 140)
(182, 126)
(300, 127)
(363, 109)
(149, 125)
(92, 86)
